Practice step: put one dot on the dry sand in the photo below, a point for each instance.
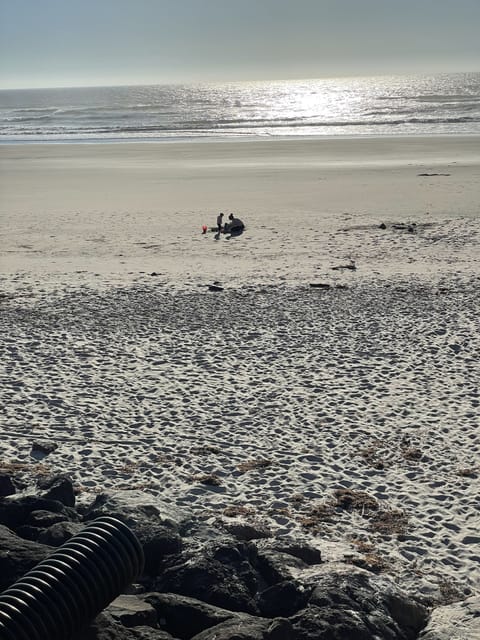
(279, 392)
(121, 209)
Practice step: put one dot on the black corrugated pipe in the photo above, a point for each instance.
(70, 587)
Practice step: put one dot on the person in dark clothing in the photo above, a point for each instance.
(235, 225)
(219, 222)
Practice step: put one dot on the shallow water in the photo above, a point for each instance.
(387, 105)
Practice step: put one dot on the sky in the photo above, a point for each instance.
(48, 43)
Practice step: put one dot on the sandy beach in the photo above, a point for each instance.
(120, 209)
(261, 401)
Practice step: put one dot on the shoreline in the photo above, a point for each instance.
(245, 138)
(322, 150)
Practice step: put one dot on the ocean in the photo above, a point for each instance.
(396, 105)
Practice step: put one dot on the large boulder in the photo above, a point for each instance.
(250, 628)
(299, 549)
(281, 559)
(135, 506)
(44, 519)
(17, 556)
(157, 531)
(221, 573)
(184, 617)
(15, 511)
(130, 611)
(104, 627)
(282, 599)
(57, 534)
(58, 487)
(313, 623)
(347, 600)
(276, 566)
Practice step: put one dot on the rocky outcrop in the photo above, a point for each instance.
(203, 583)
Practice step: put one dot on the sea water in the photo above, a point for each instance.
(404, 105)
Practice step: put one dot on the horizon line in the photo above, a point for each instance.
(238, 81)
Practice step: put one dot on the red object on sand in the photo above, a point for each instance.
(204, 228)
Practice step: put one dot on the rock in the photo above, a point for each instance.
(59, 533)
(133, 507)
(185, 617)
(249, 628)
(215, 287)
(409, 615)
(348, 600)
(246, 530)
(104, 627)
(7, 488)
(320, 285)
(157, 541)
(293, 547)
(42, 448)
(352, 267)
(29, 532)
(221, 573)
(58, 487)
(282, 599)
(222, 588)
(275, 566)
(15, 510)
(17, 556)
(45, 519)
(382, 226)
(147, 633)
(314, 622)
(281, 629)
(130, 611)
(158, 533)
(457, 621)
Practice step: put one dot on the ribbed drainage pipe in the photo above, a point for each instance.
(72, 585)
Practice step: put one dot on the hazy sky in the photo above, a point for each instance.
(91, 42)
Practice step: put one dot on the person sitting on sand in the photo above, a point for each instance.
(235, 225)
(219, 222)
